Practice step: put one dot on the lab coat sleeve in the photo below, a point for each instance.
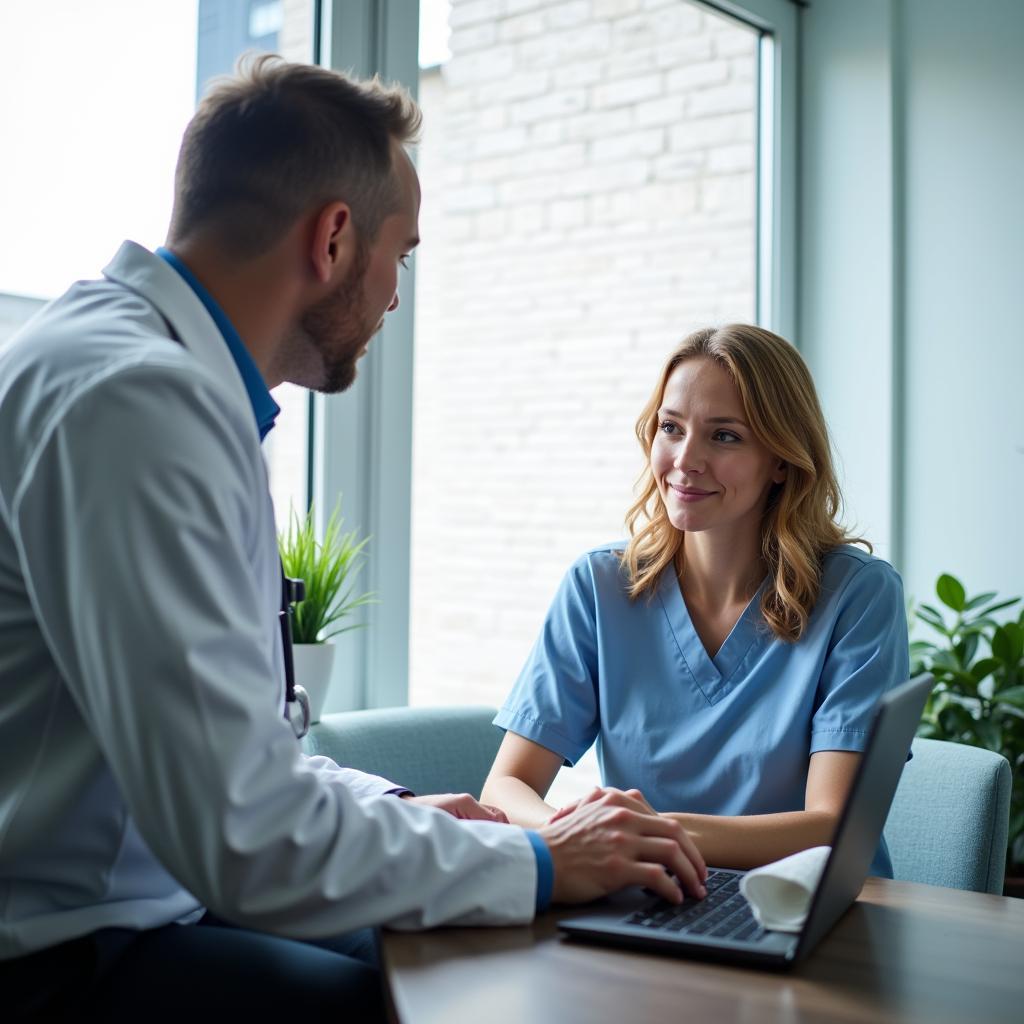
(360, 783)
(133, 527)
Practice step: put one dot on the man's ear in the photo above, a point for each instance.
(334, 241)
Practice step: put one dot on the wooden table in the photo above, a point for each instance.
(903, 952)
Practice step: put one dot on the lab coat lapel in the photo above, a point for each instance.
(161, 285)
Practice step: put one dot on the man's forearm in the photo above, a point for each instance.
(748, 841)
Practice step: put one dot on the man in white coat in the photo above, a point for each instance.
(161, 832)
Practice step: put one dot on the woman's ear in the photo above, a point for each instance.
(780, 473)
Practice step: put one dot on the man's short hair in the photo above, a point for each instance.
(275, 140)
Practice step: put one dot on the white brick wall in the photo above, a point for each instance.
(588, 199)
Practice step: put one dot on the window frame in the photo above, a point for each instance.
(777, 22)
(362, 439)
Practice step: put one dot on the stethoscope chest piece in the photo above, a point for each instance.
(298, 711)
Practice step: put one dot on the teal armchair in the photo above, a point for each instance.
(430, 750)
(950, 818)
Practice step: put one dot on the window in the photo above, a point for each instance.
(599, 177)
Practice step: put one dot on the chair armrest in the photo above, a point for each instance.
(429, 750)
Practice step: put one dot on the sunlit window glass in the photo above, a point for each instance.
(94, 98)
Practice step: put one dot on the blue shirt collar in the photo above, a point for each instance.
(263, 406)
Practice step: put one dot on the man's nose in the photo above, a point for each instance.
(394, 303)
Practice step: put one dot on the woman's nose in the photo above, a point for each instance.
(690, 456)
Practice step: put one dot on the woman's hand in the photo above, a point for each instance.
(459, 805)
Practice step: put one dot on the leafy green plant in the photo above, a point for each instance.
(328, 569)
(978, 698)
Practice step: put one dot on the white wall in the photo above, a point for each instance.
(964, 343)
(911, 214)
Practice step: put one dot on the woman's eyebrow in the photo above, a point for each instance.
(710, 419)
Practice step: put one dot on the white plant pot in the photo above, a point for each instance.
(313, 666)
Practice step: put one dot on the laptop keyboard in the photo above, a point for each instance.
(723, 914)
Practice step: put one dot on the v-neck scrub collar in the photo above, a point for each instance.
(712, 676)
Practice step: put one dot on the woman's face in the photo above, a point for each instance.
(711, 472)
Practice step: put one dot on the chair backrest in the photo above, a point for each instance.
(949, 820)
(430, 750)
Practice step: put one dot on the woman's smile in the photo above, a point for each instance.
(690, 494)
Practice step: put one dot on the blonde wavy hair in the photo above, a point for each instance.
(800, 518)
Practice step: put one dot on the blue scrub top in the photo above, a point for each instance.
(726, 735)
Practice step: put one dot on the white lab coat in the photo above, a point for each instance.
(146, 770)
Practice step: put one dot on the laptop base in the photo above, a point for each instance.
(605, 924)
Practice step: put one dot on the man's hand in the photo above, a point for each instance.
(459, 805)
(612, 839)
(635, 799)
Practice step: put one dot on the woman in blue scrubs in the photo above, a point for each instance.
(727, 658)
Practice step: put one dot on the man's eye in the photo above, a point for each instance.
(404, 260)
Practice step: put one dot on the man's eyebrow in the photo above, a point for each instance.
(710, 419)
(413, 242)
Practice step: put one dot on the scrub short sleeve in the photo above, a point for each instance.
(868, 655)
(554, 700)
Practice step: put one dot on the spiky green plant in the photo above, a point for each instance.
(329, 569)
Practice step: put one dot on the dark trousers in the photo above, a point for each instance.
(193, 972)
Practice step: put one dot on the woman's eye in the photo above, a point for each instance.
(725, 435)
(668, 427)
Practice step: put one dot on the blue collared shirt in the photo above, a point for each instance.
(264, 407)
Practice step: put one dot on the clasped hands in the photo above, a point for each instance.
(609, 839)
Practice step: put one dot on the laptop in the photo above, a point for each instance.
(721, 926)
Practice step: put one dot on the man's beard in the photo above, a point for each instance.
(337, 327)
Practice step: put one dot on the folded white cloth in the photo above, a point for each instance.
(780, 893)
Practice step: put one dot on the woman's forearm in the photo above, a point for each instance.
(748, 841)
(520, 802)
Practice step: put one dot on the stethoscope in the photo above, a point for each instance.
(296, 708)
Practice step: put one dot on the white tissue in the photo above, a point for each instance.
(780, 894)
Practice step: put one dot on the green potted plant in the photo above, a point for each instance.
(328, 568)
(978, 699)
